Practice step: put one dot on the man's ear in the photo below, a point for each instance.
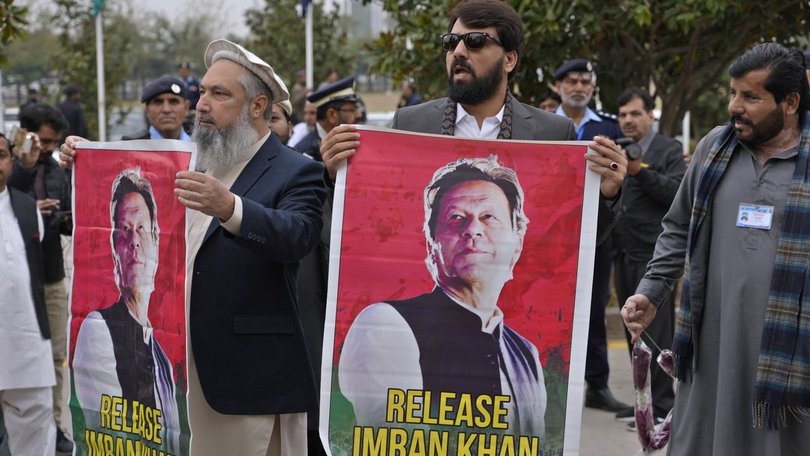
(511, 61)
(258, 106)
(332, 116)
(791, 103)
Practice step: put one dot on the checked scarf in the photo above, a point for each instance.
(783, 379)
(449, 121)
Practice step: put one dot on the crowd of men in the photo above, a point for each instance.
(741, 340)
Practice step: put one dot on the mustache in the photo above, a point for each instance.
(461, 63)
(738, 118)
(205, 118)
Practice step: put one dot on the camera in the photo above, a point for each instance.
(22, 139)
(631, 149)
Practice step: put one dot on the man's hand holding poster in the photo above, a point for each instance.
(128, 331)
(458, 297)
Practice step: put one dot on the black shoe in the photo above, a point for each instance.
(631, 426)
(63, 444)
(626, 414)
(603, 399)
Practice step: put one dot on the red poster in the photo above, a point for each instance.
(127, 327)
(459, 289)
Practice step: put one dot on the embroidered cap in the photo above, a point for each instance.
(224, 49)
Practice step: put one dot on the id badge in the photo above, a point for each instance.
(754, 216)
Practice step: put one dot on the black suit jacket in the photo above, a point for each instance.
(246, 332)
(647, 197)
(310, 145)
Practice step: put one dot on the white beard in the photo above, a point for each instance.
(221, 148)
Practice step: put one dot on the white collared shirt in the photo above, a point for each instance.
(380, 339)
(467, 126)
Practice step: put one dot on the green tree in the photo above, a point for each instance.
(13, 19)
(680, 48)
(75, 58)
(26, 61)
(277, 35)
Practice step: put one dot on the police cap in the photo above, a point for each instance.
(342, 90)
(575, 65)
(161, 85)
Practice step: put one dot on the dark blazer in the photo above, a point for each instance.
(647, 197)
(57, 186)
(310, 145)
(25, 209)
(528, 123)
(245, 324)
(609, 127)
(74, 114)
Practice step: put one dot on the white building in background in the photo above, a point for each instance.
(369, 20)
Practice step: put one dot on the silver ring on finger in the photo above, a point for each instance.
(614, 166)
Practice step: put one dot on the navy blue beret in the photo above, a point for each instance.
(575, 65)
(161, 85)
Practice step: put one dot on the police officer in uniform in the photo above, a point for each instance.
(576, 82)
(166, 108)
(336, 104)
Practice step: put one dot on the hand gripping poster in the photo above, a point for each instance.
(127, 327)
(459, 289)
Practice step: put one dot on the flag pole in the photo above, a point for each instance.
(310, 79)
(102, 115)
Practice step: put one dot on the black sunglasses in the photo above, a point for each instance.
(472, 40)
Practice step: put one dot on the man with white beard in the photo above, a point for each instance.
(255, 211)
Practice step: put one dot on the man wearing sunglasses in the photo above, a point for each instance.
(483, 45)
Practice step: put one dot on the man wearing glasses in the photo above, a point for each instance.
(336, 104)
(483, 45)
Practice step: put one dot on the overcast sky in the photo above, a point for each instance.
(232, 12)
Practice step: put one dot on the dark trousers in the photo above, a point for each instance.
(597, 369)
(3, 440)
(626, 277)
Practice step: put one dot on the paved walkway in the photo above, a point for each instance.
(601, 434)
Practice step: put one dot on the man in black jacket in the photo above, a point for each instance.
(652, 181)
(74, 113)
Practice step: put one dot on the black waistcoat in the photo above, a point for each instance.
(454, 354)
(133, 358)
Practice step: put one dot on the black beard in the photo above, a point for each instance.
(479, 89)
(769, 127)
